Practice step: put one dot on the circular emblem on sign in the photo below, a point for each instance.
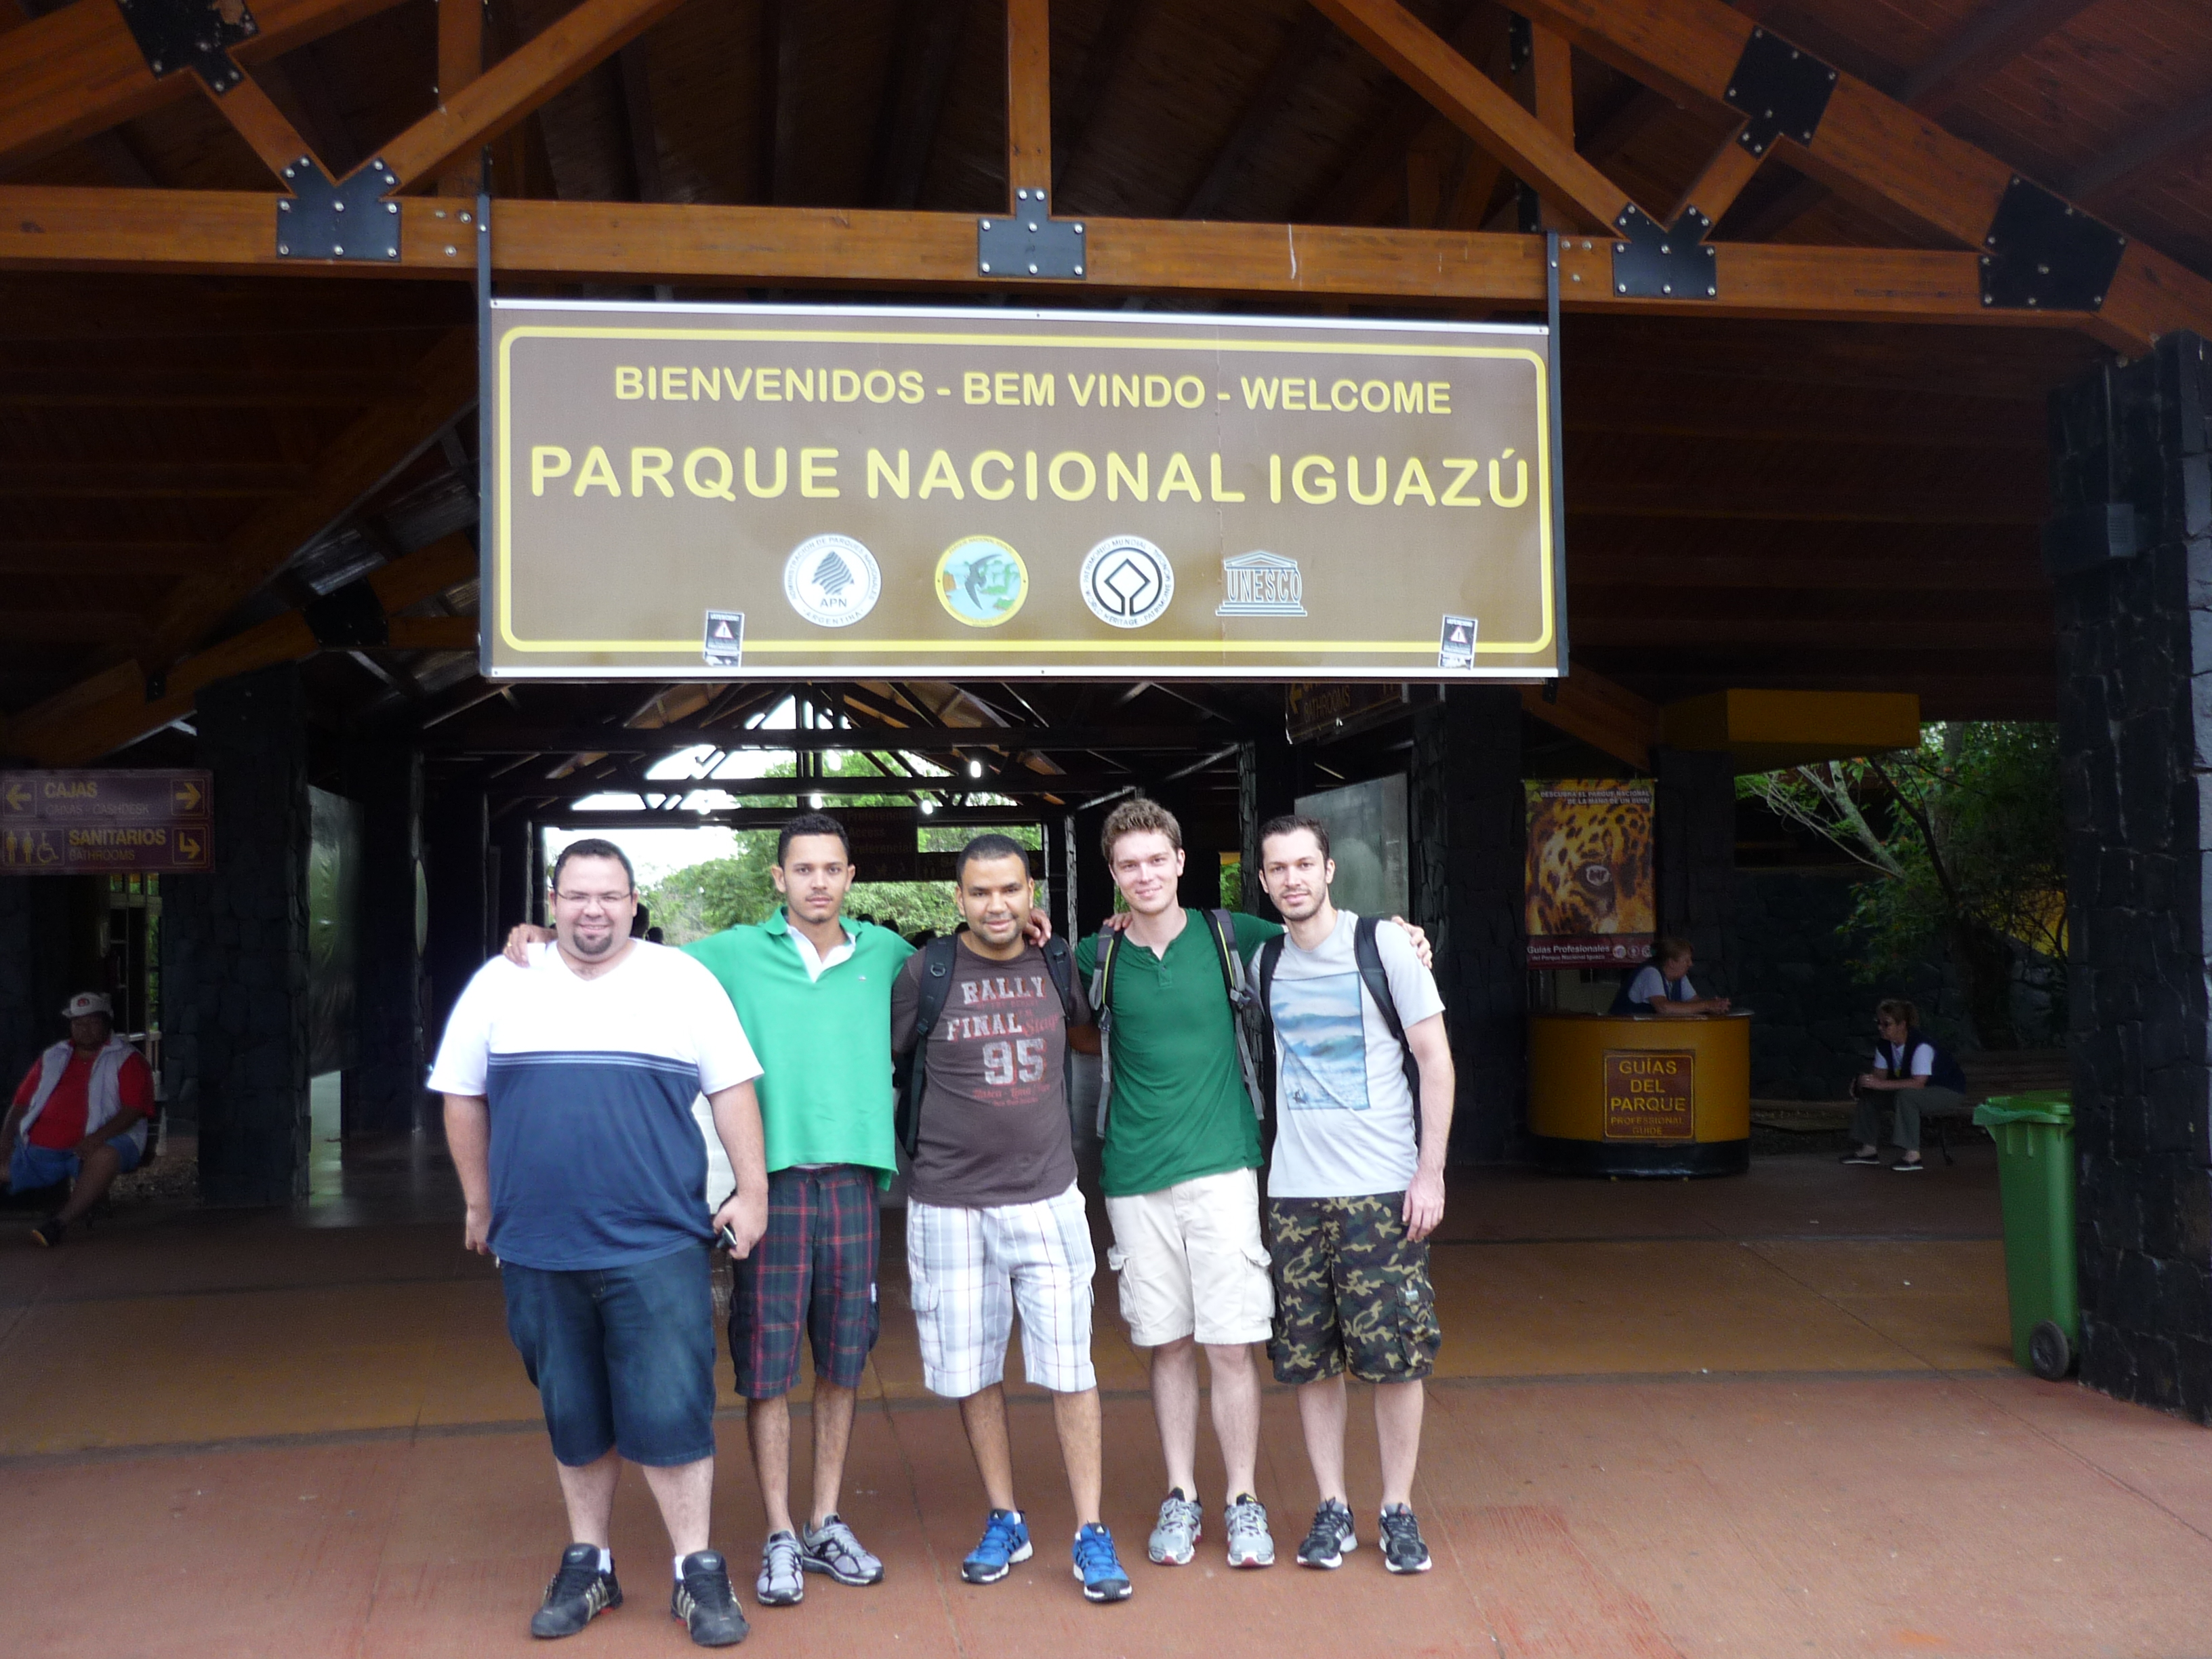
(1127, 581)
(982, 580)
(832, 581)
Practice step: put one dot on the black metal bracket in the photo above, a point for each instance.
(348, 220)
(190, 34)
(1030, 244)
(2043, 253)
(1652, 262)
(1780, 90)
(349, 618)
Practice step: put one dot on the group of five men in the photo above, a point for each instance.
(570, 1066)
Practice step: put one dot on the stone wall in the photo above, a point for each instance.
(385, 1088)
(1468, 816)
(1694, 826)
(22, 1032)
(2134, 658)
(252, 976)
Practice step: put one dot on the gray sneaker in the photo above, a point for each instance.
(831, 1548)
(1176, 1537)
(782, 1583)
(1250, 1543)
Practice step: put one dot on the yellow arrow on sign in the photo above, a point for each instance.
(19, 796)
(188, 848)
(188, 794)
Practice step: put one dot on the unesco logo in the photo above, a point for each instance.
(1126, 582)
(1261, 585)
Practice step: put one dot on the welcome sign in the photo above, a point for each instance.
(721, 491)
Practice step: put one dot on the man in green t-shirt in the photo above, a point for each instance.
(1181, 1146)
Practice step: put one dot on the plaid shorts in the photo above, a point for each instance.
(969, 1270)
(813, 1270)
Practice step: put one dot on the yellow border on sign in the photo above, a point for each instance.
(818, 645)
(1021, 565)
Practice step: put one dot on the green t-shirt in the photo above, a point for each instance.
(824, 1045)
(1179, 1109)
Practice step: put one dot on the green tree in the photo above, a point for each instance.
(1966, 839)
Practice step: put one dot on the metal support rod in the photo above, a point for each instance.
(486, 531)
(1559, 459)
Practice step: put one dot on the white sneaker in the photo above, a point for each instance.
(1176, 1537)
(1250, 1543)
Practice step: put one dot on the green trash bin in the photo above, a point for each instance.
(2034, 1134)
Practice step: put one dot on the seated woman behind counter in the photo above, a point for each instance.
(1662, 984)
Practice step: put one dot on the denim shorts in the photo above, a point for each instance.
(30, 1167)
(623, 1357)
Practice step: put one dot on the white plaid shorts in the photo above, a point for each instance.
(969, 1270)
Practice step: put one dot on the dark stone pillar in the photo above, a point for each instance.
(1094, 882)
(384, 1089)
(1267, 787)
(2135, 705)
(186, 907)
(1695, 853)
(1468, 829)
(513, 868)
(456, 850)
(253, 1036)
(23, 1022)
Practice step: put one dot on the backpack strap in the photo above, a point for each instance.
(1369, 955)
(936, 958)
(1101, 1014)
(1223, 927)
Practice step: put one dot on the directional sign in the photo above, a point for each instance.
(62, 823)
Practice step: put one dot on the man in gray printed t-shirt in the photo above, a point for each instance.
(1357, 1184)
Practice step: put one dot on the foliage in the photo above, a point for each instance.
(704, 898)
(1967, 837)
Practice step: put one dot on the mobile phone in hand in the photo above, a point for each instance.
(727, 1238)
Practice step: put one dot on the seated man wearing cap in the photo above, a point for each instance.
(80, 1113)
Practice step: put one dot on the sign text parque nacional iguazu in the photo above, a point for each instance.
(719, 491)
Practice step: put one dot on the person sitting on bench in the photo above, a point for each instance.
(1914, 1073)
(80, 1114)
(1662, 984)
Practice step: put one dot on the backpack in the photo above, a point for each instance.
(1369, 955)
(910, 1071)
(1222, 927)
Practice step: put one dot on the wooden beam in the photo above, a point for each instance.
(2164, 139)
(78, 71)
(51, 228)
(1029, 96)
(267, 130)
(1995, 34)
(548, 63)
(1302, 48)
(1471, 101)
(460, 61)
(1868, 140)
(1601, 712)
(112, 709)
(1718, 183)
(907, 120)
(1548, 87)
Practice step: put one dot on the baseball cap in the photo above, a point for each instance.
(88, 1002)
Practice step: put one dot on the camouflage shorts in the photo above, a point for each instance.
(1352, 1290)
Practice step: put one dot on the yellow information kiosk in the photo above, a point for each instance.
(1640, 1094)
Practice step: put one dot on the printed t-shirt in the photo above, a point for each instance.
(1651, 986)
(823, 1038)
(1179, 1109)
(61, 1125)
(596, 1158)
(1344, 1117)
(994, 1121)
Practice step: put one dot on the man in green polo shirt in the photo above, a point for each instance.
(1181, 1146)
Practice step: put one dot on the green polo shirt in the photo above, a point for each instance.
(1179, 1107)
(824, 1045)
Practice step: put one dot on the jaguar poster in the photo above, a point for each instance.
(1589, 897)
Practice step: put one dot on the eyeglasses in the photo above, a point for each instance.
(593, 898)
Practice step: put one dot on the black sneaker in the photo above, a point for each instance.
(703, 1599)
(49, 1233)
(1331, 1539)
(580, 1592)
(1402, 1548)
(1872, 1158)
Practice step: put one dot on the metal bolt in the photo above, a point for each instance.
(1621, 288)
(1711, 291)
(450, 251)
(391, 253)
(1079, 230)
(2031, 299)
(283, 247)
(985, 263)
(464, 218)
(2099, 301)
(1666, 288)
(283, 207)
(1033, 225)
(338, 248)
(338, 207)
(1079, 271)
(1033, 270)
(1663, 248)
(986, 224)
(1987, 300)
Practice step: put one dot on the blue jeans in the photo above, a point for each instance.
(30, 1167)
(623, 1357)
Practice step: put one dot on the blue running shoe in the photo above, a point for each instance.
(1005, 1540)
(1098, 1566)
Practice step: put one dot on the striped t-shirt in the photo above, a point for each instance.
(596, 1158)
